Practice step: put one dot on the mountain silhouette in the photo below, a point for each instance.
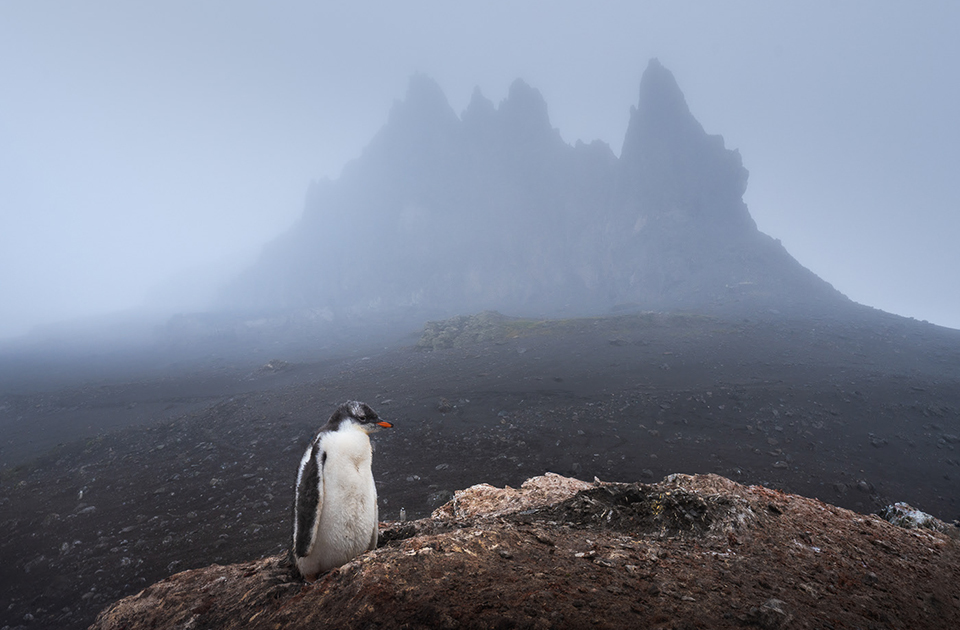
(444, 214)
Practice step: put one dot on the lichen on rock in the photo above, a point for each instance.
(906, 516)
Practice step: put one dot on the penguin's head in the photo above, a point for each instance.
(357, 413)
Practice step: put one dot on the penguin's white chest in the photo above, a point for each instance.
(347, 518)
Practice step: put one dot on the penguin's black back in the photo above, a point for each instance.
(308, 495)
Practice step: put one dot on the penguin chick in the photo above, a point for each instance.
(335, 510)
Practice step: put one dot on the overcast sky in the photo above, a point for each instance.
(152, 144)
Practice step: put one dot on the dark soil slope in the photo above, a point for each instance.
(858, 414)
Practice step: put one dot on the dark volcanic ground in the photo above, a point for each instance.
(198, 462)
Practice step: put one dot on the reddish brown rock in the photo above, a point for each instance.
(691, 551)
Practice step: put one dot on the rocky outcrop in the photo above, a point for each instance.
(690, 551)
(445, 214)
(909, 517)
(463, 330)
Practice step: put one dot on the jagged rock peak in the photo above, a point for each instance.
(420, 131)
(661, 120)
(670, 165)
(424, 101)
(480, 107)
(525, 103)
(523, 116)
(660, 95)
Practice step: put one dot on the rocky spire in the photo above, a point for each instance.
(425, 103)
(670, 166)
(524, 116)
(421, 134)
(479, 109)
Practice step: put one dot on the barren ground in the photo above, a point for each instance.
(113, 481)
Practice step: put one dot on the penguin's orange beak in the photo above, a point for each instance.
(385, 424)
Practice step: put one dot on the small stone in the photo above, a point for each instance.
(772, 614)
(439, 498)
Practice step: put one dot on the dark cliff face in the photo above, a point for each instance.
(493, 210)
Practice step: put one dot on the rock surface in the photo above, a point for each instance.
(688, 552)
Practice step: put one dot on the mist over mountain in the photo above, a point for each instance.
(491, 209)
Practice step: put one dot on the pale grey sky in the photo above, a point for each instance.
(152, 144)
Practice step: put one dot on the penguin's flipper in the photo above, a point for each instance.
(309, 501)
(375, 535)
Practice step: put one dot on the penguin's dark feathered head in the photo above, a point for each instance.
(358, 413)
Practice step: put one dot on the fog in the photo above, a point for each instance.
(147, 153)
